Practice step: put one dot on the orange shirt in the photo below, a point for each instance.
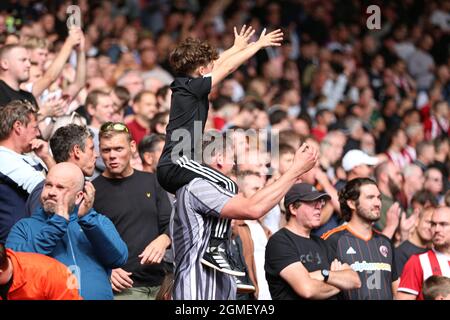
(38, 277)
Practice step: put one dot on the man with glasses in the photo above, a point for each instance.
(298, 264)
(140, 210)
(357, 244)
(19, 173)
(433, 262)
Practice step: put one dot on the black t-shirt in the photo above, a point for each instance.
(189, 105)
(373, 260)
(285, 248)
(140, 210)
(405, 251)
(7, 94)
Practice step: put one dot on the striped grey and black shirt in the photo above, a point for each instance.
(197, 204)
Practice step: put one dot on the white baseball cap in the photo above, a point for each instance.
(354, 158)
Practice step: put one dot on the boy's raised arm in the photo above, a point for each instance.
(240, 43)
(227, 66)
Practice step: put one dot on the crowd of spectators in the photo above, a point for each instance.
(374, 102)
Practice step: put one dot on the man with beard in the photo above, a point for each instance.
(69, 230)
(356, 243)
(433, 262)
(418, 242)
(389, 179)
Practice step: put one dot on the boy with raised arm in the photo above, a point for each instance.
(200, 68)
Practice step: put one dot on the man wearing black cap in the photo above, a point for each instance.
(299, 264)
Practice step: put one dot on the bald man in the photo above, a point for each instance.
(66, 228)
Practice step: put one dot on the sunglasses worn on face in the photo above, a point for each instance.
(114, 126)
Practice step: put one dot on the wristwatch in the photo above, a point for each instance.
(325, 274)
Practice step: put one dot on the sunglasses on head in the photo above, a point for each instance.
(114, 126)
(29, 106)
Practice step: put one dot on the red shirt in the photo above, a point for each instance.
(219, 122)
(137, 131)
(419, 268)
(318, 134)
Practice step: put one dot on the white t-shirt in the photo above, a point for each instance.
(259, 238)
(20, 168)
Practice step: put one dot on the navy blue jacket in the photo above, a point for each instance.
(90, 246)
(12, 205)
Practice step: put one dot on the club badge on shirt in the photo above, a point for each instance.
(384, 251)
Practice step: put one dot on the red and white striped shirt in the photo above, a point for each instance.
(400, 159)
(419, 268)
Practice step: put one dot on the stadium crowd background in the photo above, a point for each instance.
(333, 83)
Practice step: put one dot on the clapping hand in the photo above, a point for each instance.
(88, 199)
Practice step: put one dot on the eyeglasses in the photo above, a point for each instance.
(114, 126)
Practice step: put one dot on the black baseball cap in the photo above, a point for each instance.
(303, 192)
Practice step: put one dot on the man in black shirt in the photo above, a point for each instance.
(14, 69)
(298, 264)
(419, 241)
(140, 210)
(356, 243)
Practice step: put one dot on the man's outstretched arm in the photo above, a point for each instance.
(265, 199)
